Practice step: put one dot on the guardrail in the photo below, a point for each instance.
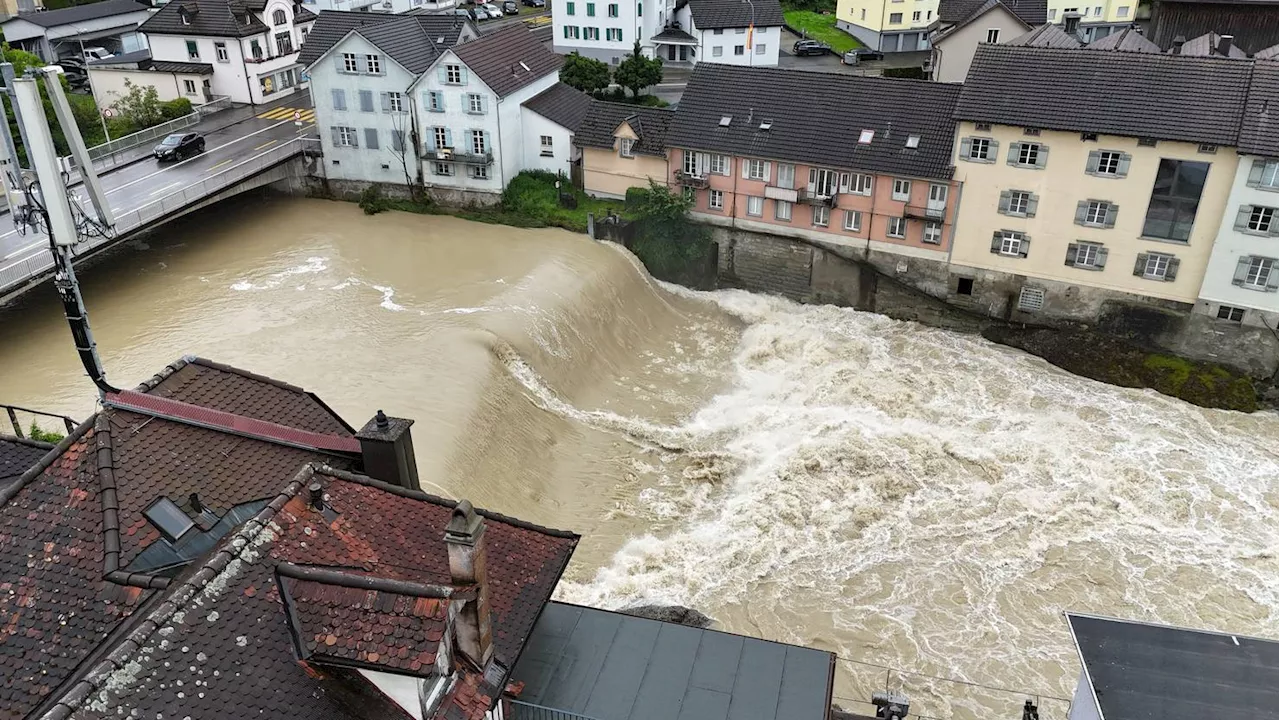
(13, 410)
(41, 260)
(529, 711)
(149, 135)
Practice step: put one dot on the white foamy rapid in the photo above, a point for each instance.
(932, 501)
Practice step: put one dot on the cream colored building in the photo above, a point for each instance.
(1098, 18)
(888, 25)
(623, 146)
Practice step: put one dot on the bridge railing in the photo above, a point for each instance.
(149, 135)
(127, 221)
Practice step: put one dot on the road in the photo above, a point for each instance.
(132, 186)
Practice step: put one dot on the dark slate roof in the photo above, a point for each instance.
(1270, 53)
(226, 620)
(825, 126)
(610, 666)
(124, 58)
(649, 123)
(404, 41)
(962, 12)
(566, 106)
(712, 14)
(1131, 94)
(173, 66)
(1127, 40)
(17, 455)
(1206, 45)
(209, 18)
(1141, 671)
(82, 13)
(1047, 35)
(1260, 127)
(674, 34)
(410, 35)
(508, 59)
(79, 513)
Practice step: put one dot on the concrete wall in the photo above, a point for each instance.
(1060, 185)
(728, 38)
(1232, 245)
(953, 53)
(109, 84)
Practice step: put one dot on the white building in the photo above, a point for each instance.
(252, 44)
(380, 6)
(1243, 274)
(111, 78)
(52, 34)
(726, 31)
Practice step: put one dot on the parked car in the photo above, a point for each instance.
(96, 53)
(492, 9)
(179, 146)
(534, 3)
(478, 13)
(856, 55)
(509, 7)
(810, 47)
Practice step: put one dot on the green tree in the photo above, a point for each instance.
(140, 105)
(82, 108)
(637, 72)
(584, 73)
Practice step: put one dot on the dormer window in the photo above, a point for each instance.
(866, 137)
(625, 147)
(279, 18)
(184, 17)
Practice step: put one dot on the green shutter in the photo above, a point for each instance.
(1024, 246)
(442, 73)
(964, 148)
(1006, 197)
(1255, 172)
(1122, 168)
(1014, 149)
(996, 239)
(1172, 273)
(993, 151)
(1043, 155)
(1101, 262)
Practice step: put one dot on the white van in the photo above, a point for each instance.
(96, 53)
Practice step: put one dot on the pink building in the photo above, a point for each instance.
(848, 160)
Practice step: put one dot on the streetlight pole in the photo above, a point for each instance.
(751, 29)
(89, 74)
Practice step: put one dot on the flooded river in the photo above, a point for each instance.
(899, 495)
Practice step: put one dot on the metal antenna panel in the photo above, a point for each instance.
(78, 150)
(44, 158)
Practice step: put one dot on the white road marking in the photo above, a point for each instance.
(19, 251)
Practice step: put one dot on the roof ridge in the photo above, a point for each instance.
(27, 441)
(328, 575)
(238, 546)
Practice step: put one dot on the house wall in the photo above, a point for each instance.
(871, 21)
(728, 38)
(573, 13)
(229, 77)
(1060, 185)
(562, 150)
(456, 117)
(1231, 245)
(109, 84)
(513, 138)
(608, 174)
(953, 54)
(1095, 12)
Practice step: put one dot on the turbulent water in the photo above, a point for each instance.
(899, 495)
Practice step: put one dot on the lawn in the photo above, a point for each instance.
(821, 27)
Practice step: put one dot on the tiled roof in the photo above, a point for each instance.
(1206, 45)
(1132, 94)
(962, 12)
(563, 105)
(1127, 40)
(1261, 124)
(824, 127)
(649, 123)
(222, 632)
(208, 18)
(674, 34)
(17, 455)
(508, 59)
(81, 13)
(1047, 35)
(406, 38)
(70, 528)
(712, 14)
(1270, 53)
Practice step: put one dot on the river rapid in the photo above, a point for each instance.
(899, 495)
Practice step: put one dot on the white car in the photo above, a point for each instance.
(493, 11)
(96, 53)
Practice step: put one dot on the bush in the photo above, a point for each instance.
(372, 201)
(176, 108)
(637, 197)
(36, 433)
(531, 194)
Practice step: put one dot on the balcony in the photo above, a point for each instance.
(824, 196)
(926, 212)
(691, 180)
(449, 155)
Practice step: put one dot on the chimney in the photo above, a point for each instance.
(387, 450)
(1224, 45)
(1178, 42)
(1071, 23)
(465, 539)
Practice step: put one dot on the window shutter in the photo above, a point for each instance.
(1014, 149)
(440, 100)
(431, 140)
(1273, 280)
(426, 99)
(1082, 211)
(1255, 172)
(342, 66)
(995, 242)
(1072, 249)
(339, 99)
(1274, 229)
(355, 138)
(1242, 217)
(442, 74)
(767, 167)
(1033, 202)
(1043, 155)
(386, 102)
(1024, 246)
(844, 182)
(1006, 197)
(1172, 273)
(484, 104)
(1140, 265)
(487, 146)
(335, 136)
(463, 70)
(746, 164)
(993, 152)
(964, 148)
(1112, 210)
(1242, 270)
(1101, 261)
(371, 138)
(1122, 168)
(1095, 157)
(448, 137)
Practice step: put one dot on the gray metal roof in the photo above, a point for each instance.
(1127, 40)
(1166, 97)
(81, 13)
(1047, 35)
(710, 14)
(1207, 45)
(1140, 671)
(610, 666)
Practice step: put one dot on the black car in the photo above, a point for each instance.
(810, 47)
(179, 146)
(856, 55)
(534, 3)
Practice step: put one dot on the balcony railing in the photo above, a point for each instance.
(529, 711)
(926, 212)
(817, 196)
(13, 410)
(449, 155)
(691, 179)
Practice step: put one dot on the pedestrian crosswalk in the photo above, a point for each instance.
(306, 115)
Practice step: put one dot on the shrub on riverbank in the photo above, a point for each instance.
(671, 246)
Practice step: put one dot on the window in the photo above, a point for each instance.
(168, 518)
(755, 206)
(895, 18)
(1088, 137)
(613, 34)
(901, 190)
(1010, 243)
(591, 9)
(853, 221)
(913, 141)
(443, 169)
(1028, 154)
(568, 8)
(220, 51)
(782, 210)
(371, 138)
(475, 103)
(1263, 174)
(395, 102)
(284, 43)
(193, 50)
(570, 32)
(1108, 163)
(590, 33)
(978, 149)
(478, 172)
(822, 183)
(964, 286)
(739, 31)
(715, 199)
(915, 16)
(435, 101)
(757, 170)
(302, 33)
(625, 147)
(478, 144)
(864, 13)
(1156, 266)
(453, 74)
(374, 64)
(1260, 273)
(1257, 220)
(349, 63)
(278, 18)
(717, 51)
(1031, 131)
(1207, 149)
(786, 175)
(720, 164)
(993, 35)
(821, 215)
(1053, 14)
(189, 87)
(1098, 213)
(547, 145)
(937, 196)
(689, 194)
(738, 50)
(1097, 11)
(932, 233)
(1018, 202)
(866, 136)
(339, 99)
(717, 31)
(613, 10)
(896, 227)
(760, 48)
(689, 162)
(441, 136)
(1122, 11)
(1087, 255)
(1175, 197)
(1234, 314)
(345, 137)
(860, 184)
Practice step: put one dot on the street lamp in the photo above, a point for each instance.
(751, 29)
(101, 118)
